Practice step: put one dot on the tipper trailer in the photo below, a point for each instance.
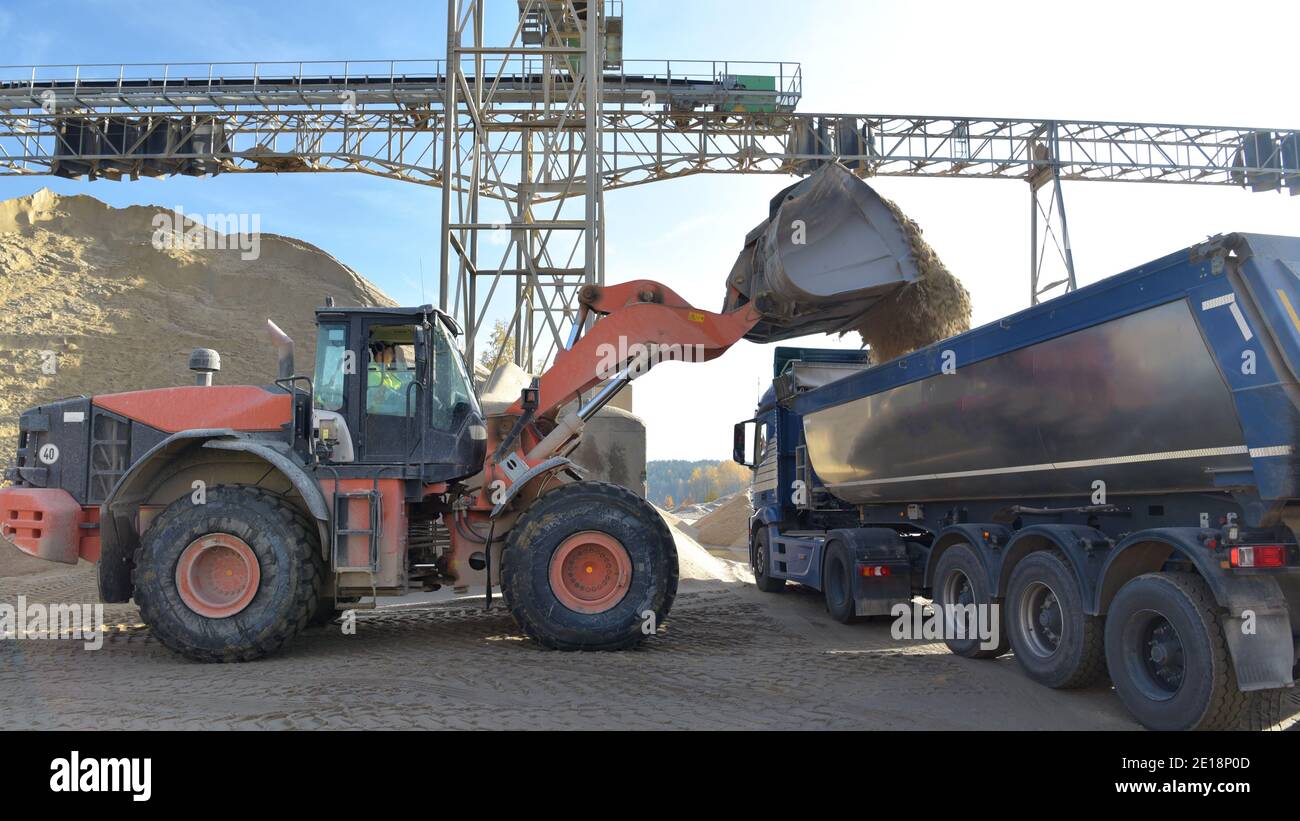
(1113, 474)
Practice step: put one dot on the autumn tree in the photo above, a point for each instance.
(500, 346)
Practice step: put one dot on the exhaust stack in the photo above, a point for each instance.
(283, 348)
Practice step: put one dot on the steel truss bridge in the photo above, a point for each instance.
(504, 131)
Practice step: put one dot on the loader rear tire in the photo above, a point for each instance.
(589, 566)
(233, 579)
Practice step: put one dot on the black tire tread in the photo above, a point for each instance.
(1004, 643)
(1228, 705)
(509, 569)
(306, 596)
(1092, 664)
(849, 614)
(1229, 708)
(765, 582)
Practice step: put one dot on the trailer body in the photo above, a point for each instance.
(1146, 424)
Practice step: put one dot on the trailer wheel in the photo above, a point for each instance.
(1055, 642)
(589, 566)
(233, 579)
(763, 563)
(837, 583)
(960, 581)
(1167, 655)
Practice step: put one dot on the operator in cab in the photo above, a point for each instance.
(387, 379)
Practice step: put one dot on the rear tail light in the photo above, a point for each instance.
(874, 570)
(1260, 555)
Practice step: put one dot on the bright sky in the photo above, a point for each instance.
(1191, 62)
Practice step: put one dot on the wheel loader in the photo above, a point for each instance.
(235, 516)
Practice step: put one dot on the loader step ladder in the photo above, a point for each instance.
(342, 535)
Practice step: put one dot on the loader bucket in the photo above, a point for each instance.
(829, 250)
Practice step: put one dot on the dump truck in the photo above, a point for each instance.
(1112, 475)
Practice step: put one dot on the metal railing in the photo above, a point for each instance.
(525, 78)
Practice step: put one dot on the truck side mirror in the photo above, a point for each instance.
(744, 438)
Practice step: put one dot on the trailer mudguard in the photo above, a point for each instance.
(1084, 548)
(118, 537)
(1256, 620)
(988, 550)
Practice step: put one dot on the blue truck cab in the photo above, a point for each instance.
(793, 515)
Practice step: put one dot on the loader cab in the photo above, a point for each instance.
(391, 388)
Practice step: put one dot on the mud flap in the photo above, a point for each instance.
(1259, 633)
(881, 570)
(113, 573)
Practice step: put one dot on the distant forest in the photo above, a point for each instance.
(674, 482)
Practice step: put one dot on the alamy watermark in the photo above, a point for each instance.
(639, 357)
(68, 622)
(947, 622)
(173, 231)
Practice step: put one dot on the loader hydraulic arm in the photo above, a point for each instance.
(643, 323)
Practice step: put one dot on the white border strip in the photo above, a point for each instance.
(1241, 322)
(1276, 450)
(1219, 301)
(1230, 299)
(1234, 450)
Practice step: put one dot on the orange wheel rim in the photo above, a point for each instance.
(590, 572)
(218, 575)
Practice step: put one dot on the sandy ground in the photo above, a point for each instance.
(729, 657)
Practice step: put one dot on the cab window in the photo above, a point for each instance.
(451, 396)
(390, 371)
(331, 366)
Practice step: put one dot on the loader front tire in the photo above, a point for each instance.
(233, 579)
(589, 566)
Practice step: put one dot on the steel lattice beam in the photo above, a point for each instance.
(522, 148)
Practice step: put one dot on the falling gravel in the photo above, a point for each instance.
(934, 307)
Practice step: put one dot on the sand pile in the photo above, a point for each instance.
(934, 307)
(82, 285)
(727, 525)
(696, 563)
